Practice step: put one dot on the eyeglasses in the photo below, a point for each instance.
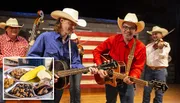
(128, 28)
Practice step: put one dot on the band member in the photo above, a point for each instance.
(118, 47)
(57, 44)
(157, 62)
(11, 43)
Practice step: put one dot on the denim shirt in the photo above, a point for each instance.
(49, 44)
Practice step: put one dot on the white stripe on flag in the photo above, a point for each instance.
(93, 38)
(88, 64)
(87, 47)
(87, 56)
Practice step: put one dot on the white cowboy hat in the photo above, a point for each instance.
(2, 25)
(12, 22)
(69, 14)
(131, 17)
(158, 29)
(73, 36)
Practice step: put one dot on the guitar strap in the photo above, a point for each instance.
(70, 52)
(130, 57)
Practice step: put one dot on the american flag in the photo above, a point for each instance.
(89, 41)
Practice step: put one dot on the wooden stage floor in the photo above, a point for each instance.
(172, 95)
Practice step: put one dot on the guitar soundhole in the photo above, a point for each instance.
(62, 82)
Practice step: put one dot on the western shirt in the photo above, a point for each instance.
(119, 51)
(49, 44)
(157, 57)
(9, 48)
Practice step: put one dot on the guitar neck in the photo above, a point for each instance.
(72, 72)
(135, 80)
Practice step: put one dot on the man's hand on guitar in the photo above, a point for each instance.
(93, 70)
(127, 80)
(56, 78)
(102, 73)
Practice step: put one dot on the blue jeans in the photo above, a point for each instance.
(126, 93)
(75, 92)
(158, 75)
(1, 86)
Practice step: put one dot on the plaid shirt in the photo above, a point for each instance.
(9, 47)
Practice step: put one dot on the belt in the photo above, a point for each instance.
(157, 68)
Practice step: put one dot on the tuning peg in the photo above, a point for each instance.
(104, 62)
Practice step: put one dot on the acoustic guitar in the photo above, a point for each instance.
(156, 85)
(115, 77)
(61, 69)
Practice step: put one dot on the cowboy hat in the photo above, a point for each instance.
(11, 22)
(158, 29)
(73, 36)
(131, 17)
(70, 14)
(2, 25)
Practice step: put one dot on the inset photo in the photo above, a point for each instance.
(28, 78)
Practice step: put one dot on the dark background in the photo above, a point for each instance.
(165, 13)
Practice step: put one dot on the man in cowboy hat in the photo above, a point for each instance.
(76, 39)
(57, 44)
(118, 47)
(157, 61)
(11, 44)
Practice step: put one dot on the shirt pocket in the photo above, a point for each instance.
(51, 53)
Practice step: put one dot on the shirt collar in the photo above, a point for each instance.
(130, 43)
(58, 36)
(9, 39)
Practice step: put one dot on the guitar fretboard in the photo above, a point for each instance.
(135, 80)
(73, 71)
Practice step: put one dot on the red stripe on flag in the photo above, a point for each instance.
(88, 51)
(87, 42)
(87, 60)
(95, 34)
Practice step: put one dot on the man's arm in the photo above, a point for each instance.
(102, 48)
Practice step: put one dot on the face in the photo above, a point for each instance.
(12, 31)
(67, 27)
(128, 30)
(156, 36)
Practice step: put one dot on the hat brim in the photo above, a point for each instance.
(2, 25)
(163, 31)
(15, 26)
(140, 25)
(60, 14)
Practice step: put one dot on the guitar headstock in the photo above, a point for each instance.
(40, 18)
(158, 85)
(108, 65)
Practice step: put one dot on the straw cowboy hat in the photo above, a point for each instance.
(70, 14)
(158, 29)
(12, 22)
(74, 36)
(131, 17)
(2, 25)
